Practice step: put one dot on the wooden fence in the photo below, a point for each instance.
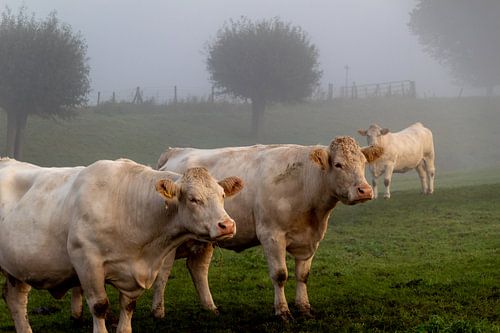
(385, 89)
(173, 94)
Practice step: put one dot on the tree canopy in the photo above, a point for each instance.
(463, 35)
(265, 61)
(43, 71)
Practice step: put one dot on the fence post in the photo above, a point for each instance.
(413, 89)
(330, 91)
(175, 94)
(98, 97)
(138, 96)
(212, 95)
(113, 98)
(354, 91)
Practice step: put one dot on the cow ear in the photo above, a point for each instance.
(166, 188)
(372, 153)
(231, 185)
(384, 131)
(363, 132)
(321, 157)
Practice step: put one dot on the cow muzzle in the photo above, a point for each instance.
(225, 229)
(360, 193)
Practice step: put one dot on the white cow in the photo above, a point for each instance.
(111, 222)
(411, 148)
(289, 194)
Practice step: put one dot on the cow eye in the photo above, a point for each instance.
(195, 201)
(338, 165)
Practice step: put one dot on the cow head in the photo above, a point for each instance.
(374, 134)
(198, 200)
(344, 166)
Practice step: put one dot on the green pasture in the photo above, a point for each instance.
(413, 263)
(465, 130)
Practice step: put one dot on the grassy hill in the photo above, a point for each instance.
(465, 130)
(413, 263)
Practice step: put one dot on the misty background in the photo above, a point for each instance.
(160, 44)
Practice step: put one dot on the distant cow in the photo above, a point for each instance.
(289, 194)
(111, 222)
(411, 148)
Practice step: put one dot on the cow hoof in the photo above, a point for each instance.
(285, 316)
(77, 321)
(387, 196)
(306, 313)
(158, 313)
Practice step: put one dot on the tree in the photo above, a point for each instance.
(43, 71)
(463, 35)
(265, 61)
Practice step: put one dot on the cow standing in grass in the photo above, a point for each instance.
(289, 194)
(111, 222)
(411, 148)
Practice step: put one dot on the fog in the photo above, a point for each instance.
(159, 44)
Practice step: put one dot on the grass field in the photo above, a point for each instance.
(410, 264)
(465, 130)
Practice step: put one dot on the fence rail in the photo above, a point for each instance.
(384, 89)
(175, 94)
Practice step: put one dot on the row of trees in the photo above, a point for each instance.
(44, 68)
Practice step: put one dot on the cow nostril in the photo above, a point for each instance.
(222, 225)
(361, 191)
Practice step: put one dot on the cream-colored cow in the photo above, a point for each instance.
(111, 222)
(411, 148)
(289, 194)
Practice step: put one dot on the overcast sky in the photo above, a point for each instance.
(159, 44)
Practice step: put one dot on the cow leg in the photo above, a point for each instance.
(198, 265)
(302, 269)
(158, 305)
(77, 303)
(275, 251)
(375, 174)
(422, 174)
(127, 307)
(15, 294)
(375, 188)
(387, 181)
(431, 172)
(91, 275)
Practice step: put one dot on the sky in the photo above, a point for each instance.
(160, 44)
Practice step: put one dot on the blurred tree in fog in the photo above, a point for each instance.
(266, 61)
(43, 71)
(463, 35)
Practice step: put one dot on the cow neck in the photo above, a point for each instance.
(170, 231)
(318, 190)
(146, 219)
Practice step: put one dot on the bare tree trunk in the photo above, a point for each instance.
(258, 107)
(16, 124)
(22, 118)
(11, 134)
